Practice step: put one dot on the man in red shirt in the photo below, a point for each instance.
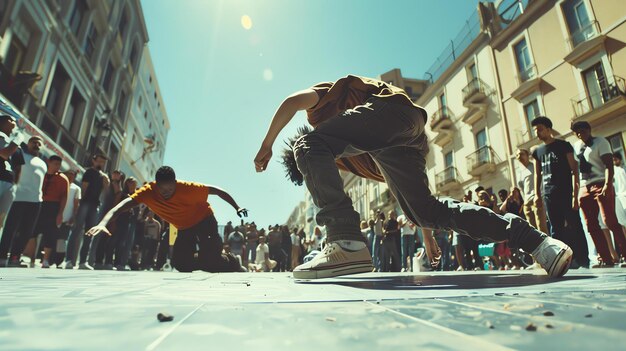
(184, 205)
(373, 129)
(55, 189)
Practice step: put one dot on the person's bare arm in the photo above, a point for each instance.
(573, 165)
(226, 197)
(8, 151)
(301, 100)
(124, 205)
(538, 180)
(62, 204)
(609, 173)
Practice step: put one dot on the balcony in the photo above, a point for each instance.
(481, 161)
(584, 43)
(608, 103)
(447, 180)
(476, 92)
(528, 81)
(442, 123)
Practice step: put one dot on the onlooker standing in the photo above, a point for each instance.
(407, 231)
(391, 256)
(228, 228)
(151, 236)
(25, 209)
(274, 239)
(69, 215)
(596, 188)
(556, 171)
(236, 242)
(93, 183)
(443, 240)
(377, 253)
(295, 249)
(55, 189)
(252, 236)
(620, 189)
(262, 256)
(11, 161)
(533, 210)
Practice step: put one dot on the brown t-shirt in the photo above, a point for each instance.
(347, 93)
(55, 187)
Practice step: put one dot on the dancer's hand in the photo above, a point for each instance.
(432, 249)
(97, 230)
(263, 157)
(242, 212)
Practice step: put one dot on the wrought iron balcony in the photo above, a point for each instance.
(442, 119)
(481, 161)
(603, 103)
(448, 179)
(476, 91)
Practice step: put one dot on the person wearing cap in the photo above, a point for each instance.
(25, 209)
(11, 161)
(596, 189)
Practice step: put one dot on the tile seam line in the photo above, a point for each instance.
(442, 328)
(606, 330)
(160, 339)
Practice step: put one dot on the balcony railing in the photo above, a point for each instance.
(529, 73)
(475, 87)
(583, 34)
(609, 90)
(447, 176)
(442, 115)
(484, 156)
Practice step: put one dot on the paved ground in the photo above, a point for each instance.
(108, 310)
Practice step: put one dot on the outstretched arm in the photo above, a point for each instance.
(226, 197)
(124, 205)
(301, 100)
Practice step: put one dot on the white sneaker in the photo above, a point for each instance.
(554, 256)
(334, 261)
(533, 266)
(85, 266)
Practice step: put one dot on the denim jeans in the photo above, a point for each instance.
(408, 249)
(377, 252)
(394, 136)
(86, 217)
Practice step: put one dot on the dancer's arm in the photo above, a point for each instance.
(123, 206)
(301, 100)
(226, 197)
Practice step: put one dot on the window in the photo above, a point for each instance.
(483, 155)
(123, 24)
(617, 144)
(448, 159)
(481, 138)
(107, 77)
(443, 101)
(145, 114)
(121, 105)
(139, 101)
(78, 13)
(55, 102)
(596, 85)
(472, 72)
(73, 116)
(134, 56)
(525, 66)
(531, 110)
(578, 23)
(90, 41)
(16, 55)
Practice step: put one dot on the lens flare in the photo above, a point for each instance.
(246, 22)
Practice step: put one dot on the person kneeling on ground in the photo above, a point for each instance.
(184, 205)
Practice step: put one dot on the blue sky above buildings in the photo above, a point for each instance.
(222, 76)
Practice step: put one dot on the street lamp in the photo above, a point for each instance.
(103, 128)
(148, 149)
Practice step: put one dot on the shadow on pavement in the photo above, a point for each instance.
(439, 282)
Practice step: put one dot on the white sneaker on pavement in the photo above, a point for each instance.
(334, 261)
(85, 266)
(554, 256)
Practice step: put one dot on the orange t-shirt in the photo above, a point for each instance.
(186, 208)
(347, 93)
(55, 187)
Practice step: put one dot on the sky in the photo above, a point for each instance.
(224, 67)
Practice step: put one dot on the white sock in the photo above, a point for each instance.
(351, 245)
